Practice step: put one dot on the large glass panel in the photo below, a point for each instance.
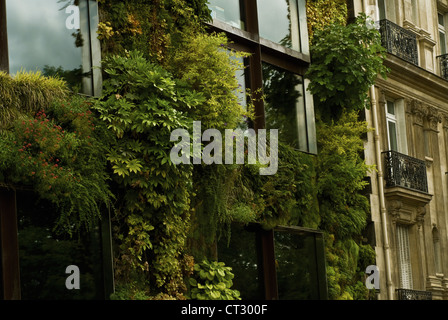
(242, 254)
(50, 36)
(382, 9)
(442, 41)
(440, 19)
(296, 266)
(229, 11)
(240, 75)
(285, 106)
(278, 21)
(390, 107)
(393, 141)
(44, 255)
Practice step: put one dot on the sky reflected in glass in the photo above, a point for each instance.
(228, 11)
(278, 22)
(38, 35)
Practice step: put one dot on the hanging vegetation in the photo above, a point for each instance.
(162, 71)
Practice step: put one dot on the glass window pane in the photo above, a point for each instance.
(278, 21)
(242, 254)
(442, 41)
(229, 11)
(382, 9)
(241, 77)
(44, 255)
(296, 266)
(49, 36)
(284, 105)
(440, 18)
(393, 143)
(390, 107)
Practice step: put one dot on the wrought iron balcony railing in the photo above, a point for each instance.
(443, 60)
(399, 41)
(404, 171)
(408, 294)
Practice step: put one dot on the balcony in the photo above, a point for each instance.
(399, 41)
(408, 294)
(443, 60)
(404, 171)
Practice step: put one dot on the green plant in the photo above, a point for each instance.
(203, 61)
(142, 103)
(343, 208)
(56, 148)
(320, 13)
(152, 27)
(212, 280)
(26, 93)
(346, 61)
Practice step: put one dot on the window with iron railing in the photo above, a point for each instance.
(404, 171)
(408, 294)
(399, 41)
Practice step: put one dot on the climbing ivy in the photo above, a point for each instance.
(346, 61)
(180, 74)
(142, 103)
(320, 13)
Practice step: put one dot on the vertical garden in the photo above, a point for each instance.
(162, 70)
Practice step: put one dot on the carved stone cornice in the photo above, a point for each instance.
(445, 120)
(424, 115)
(420, 217)
(394, 207)
(433, 118)
(406, 206)
(417, 110)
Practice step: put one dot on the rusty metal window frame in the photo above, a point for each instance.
(4, 60)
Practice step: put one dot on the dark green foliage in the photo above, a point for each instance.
(341, 173)
(142, 104)
(212, 280)
(152, 27)
(56, 147)
(345, 63)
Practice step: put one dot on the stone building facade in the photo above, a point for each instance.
(409, 146)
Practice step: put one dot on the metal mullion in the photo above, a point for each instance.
(4, 59)
(9, 245)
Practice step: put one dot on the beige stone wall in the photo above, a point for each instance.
(424, 97)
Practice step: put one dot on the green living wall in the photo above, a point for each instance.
(162, 71)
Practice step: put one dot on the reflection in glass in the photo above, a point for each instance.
(296, 266)
(50, 36)
(241, 253)
(284, 105)
(45, 255)
(241, 91)
(229, 11)
(278, 21)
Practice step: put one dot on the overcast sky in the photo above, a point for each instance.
(37, 35)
